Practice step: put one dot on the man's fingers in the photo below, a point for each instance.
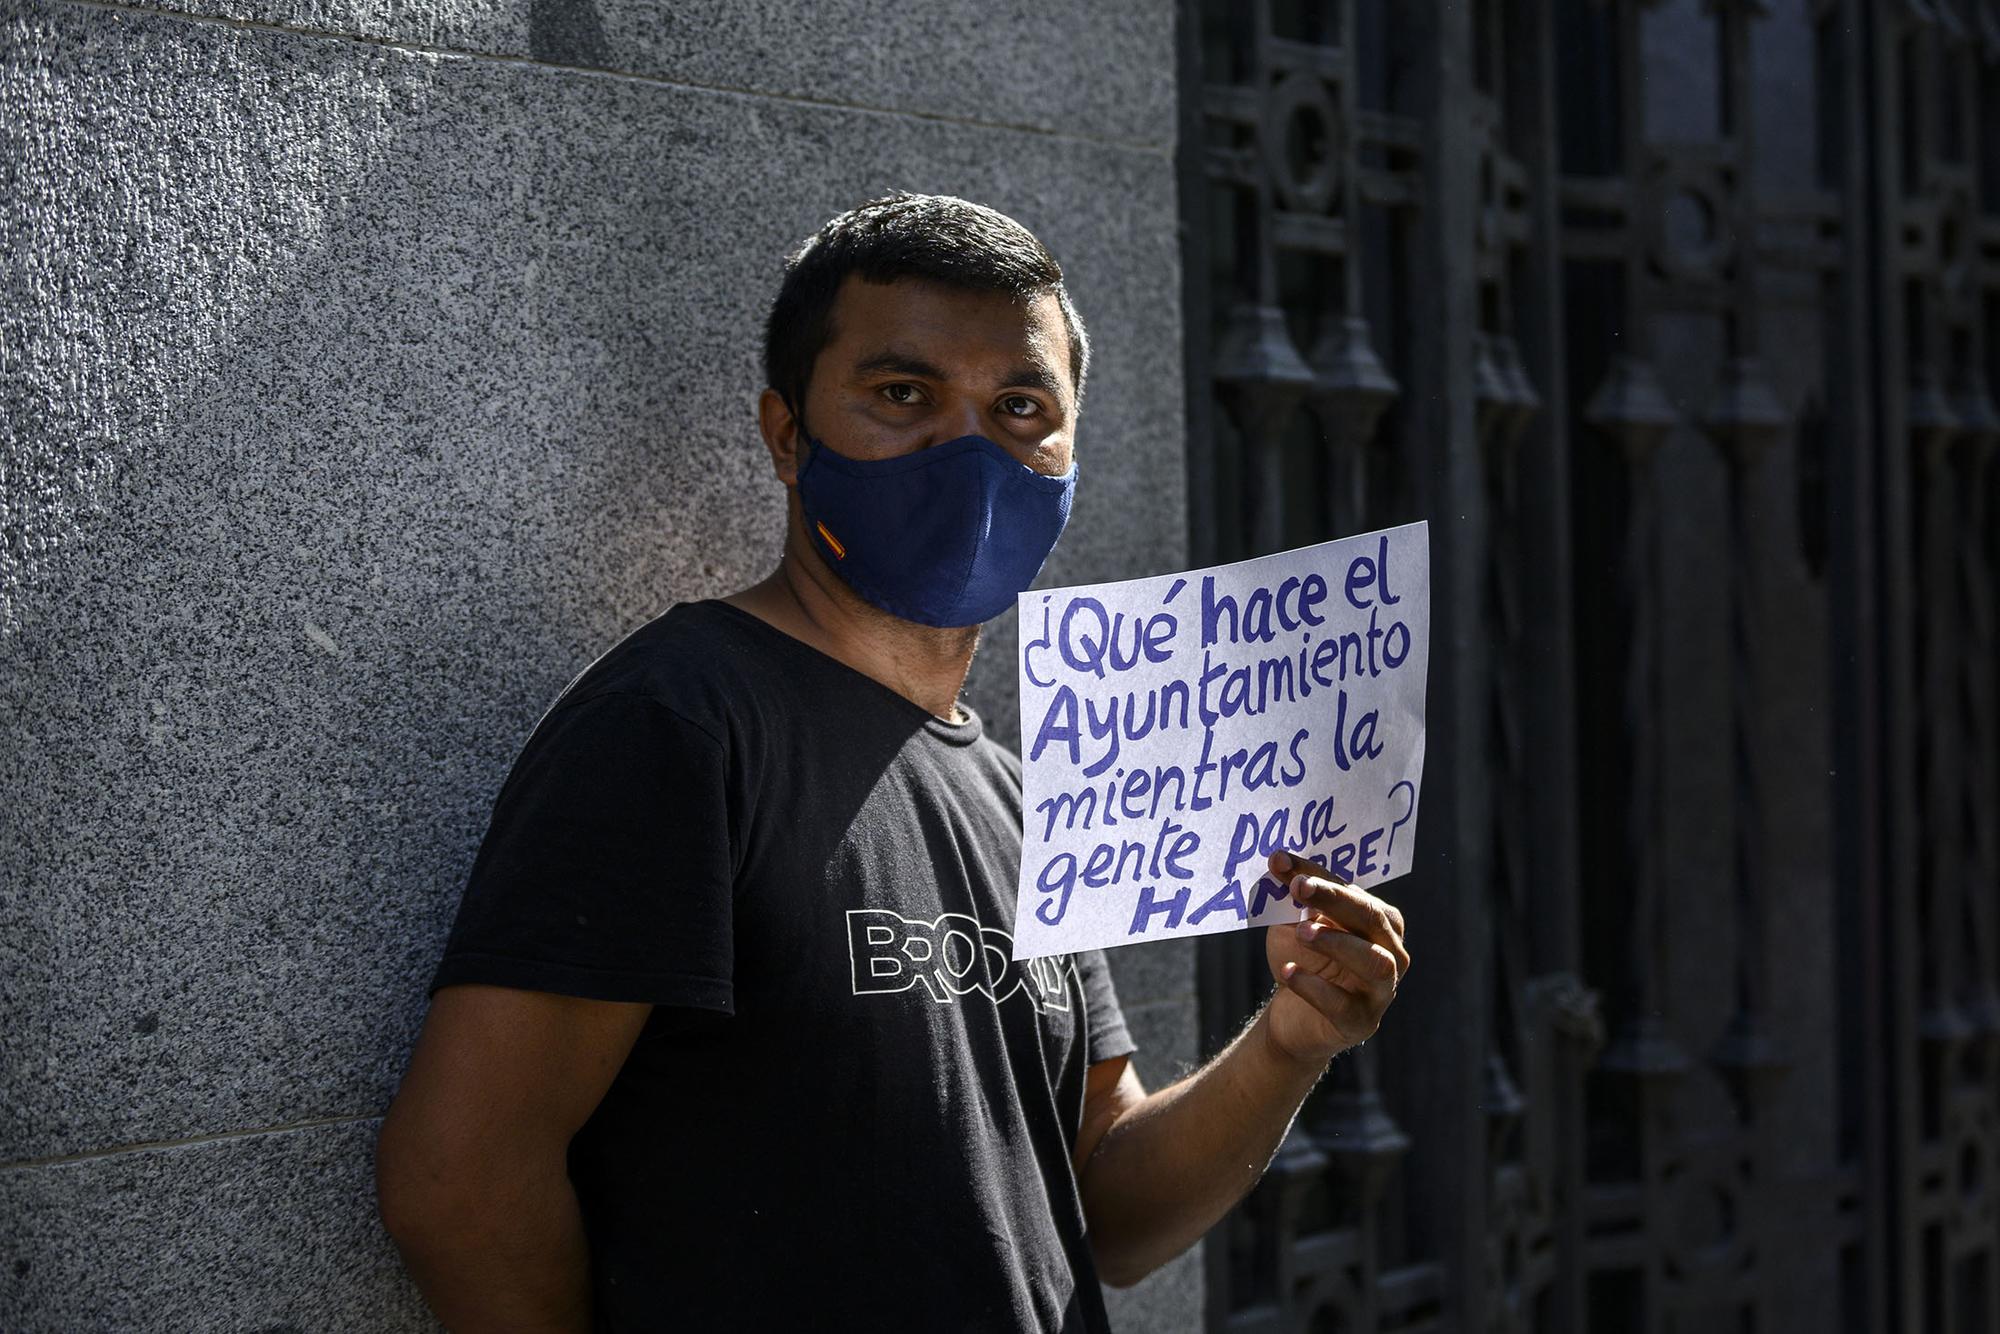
(1337, 1007)
(1360, 963)
(1325, 997)
(1285, 865)
(1351, 909)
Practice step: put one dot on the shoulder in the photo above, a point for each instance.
(995, 771)
(694, 661)
(1001, 759)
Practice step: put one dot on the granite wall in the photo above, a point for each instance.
(366, 369)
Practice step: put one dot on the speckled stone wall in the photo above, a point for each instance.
(365, 370)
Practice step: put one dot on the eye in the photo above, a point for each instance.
(898, 399)
(1032, 408)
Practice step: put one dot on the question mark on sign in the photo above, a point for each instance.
(1401, 820)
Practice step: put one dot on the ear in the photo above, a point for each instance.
(781, 436)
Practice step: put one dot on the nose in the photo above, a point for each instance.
(962, 421)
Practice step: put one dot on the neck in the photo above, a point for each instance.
(924, 664)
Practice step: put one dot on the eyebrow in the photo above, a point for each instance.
(1028, 375)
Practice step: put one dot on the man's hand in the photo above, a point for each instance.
(1338, 970)
(1157, 1170)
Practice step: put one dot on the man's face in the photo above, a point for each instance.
(913, 364)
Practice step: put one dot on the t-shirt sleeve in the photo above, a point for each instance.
(1104, 1020)
(607, 869)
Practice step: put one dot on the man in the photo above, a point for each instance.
(727, 1033)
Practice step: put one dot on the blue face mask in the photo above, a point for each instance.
(945, 536)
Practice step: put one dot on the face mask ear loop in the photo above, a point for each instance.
(805, 437)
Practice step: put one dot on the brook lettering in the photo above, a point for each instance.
(950, 956)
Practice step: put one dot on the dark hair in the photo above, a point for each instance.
(937, 237)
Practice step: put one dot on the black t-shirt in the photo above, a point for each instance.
(850, 1108)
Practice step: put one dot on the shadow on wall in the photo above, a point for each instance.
(401, 425)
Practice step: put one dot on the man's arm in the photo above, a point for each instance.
(471, 1169)
(1156, 1171)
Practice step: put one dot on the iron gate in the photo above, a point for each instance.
(1677, 321)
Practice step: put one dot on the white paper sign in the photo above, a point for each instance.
(1177, 730)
